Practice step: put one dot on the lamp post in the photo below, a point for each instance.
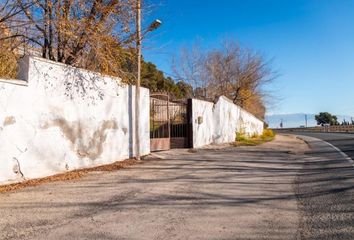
(154, 25)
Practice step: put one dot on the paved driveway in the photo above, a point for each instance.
(231, 193)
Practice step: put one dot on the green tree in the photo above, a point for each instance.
(155, 80)
(326, 118)
(185, 89)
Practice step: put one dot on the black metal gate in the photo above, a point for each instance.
(170, 124)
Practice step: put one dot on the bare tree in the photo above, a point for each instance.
(235, 72)
(189, 66)
(12, 25)
(8, 9)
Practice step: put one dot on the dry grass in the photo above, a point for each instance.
(252, 141)
(241, 140)
(72, 175)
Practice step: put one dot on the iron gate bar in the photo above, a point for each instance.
(159, 118)
(170, 122)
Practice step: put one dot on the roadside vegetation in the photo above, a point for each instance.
(243, 140)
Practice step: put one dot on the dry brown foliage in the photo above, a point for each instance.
(8, 61)
(92, 34)
(89, 34)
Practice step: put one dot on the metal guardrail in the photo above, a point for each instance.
(334, 128)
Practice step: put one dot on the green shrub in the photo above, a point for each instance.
(241, 136)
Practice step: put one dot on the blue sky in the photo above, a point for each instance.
(311, 42)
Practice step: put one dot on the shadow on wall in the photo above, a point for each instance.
(81, 83)
(50, 125)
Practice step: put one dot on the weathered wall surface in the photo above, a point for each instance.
(221, 121)
(62, 118)
(203, 123)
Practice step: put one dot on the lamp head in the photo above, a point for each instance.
(154, 25)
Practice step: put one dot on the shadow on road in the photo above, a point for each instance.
(249, 193)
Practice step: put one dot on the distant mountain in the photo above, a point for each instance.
(296, 120)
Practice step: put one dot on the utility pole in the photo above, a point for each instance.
(154, 25)
(305, 120)
(137, 86)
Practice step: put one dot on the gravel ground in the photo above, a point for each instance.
(263, 192)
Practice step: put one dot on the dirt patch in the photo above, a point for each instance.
(289, 143)
(72, 175)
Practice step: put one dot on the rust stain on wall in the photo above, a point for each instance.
(10, 120)
(74, 132)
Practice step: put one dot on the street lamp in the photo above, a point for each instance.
(154, 25)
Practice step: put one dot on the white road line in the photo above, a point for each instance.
(340, 151)
(334, 147)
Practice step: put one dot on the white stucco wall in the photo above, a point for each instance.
(231, 118)
(204, 127)
(221, 122)
(250, 125)
(226, 120)
(62, 118)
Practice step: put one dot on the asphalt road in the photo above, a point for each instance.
(325, 188)
(279, 190)
(343, 141)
